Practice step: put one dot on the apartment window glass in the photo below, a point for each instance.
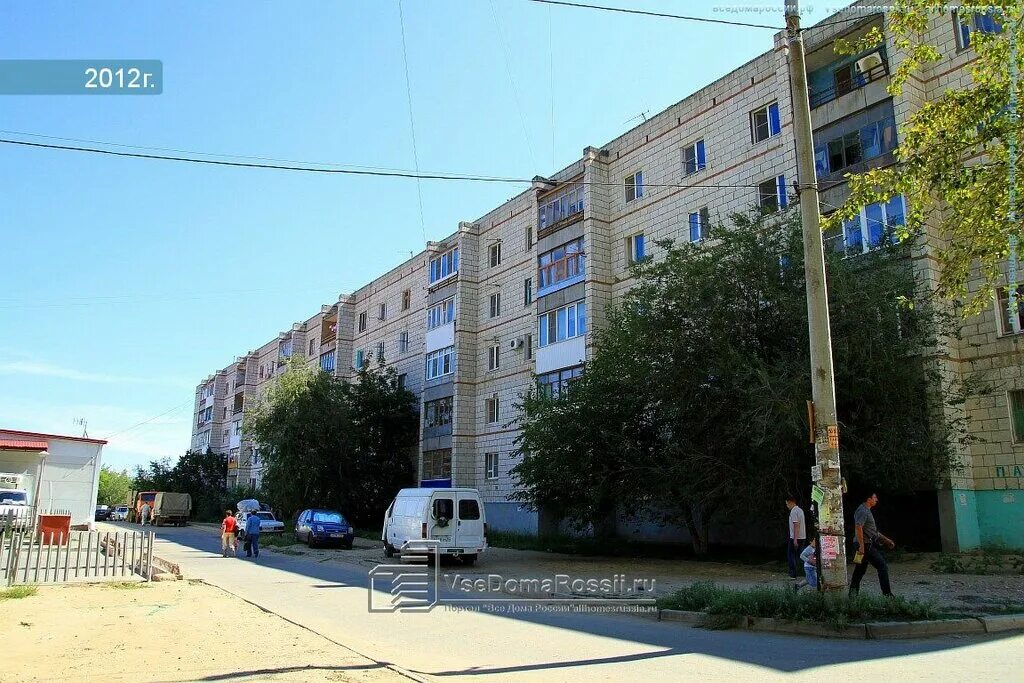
(558, 207)
(493, 357)
(437, 464)
(635, 248)
(528, 347)
(562, 263)
(765, 123)
(362, 321)
(327, 362)
(563, 323)
(1015, 399)
(382, 312)
(771, 194)
(495, 254)
(1003, 310)
(441, 313)
(406, 299)
(634, 186)
(402, 380)
(528, 291)
(968, 22)
(528, 233)
(495, 305)
(380, 352)
(206, 414)
(693, 158)
(553, 384)
(284, 351)
(360, 359)
(403, 342)
(437, 413)
(441, 362)
(444, 265)
(870, 141)
(698, 221)
(873, 226)
(492, 409)
(490, 468)
(311, 343)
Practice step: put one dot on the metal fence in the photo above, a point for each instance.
(28, 555)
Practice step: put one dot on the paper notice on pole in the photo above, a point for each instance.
(829, 547)
(817, 494)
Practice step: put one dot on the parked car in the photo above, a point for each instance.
(316, 526)
(268, 523)
(452, 517)
(119, 514)
(102, 513)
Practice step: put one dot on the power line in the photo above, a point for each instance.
(660, 15)
(144, 422)
(412, 121)
(512, 81)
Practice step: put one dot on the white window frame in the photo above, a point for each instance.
(865, 229)
(494, 255)
(631, 250)
(1003, 317)
(493, 357)
(696, 150)
(772, 130)
(440, 363)
(571, 311)
(406, 299)
(634, 186)
(380, 352)
(527, 291)
(443, 266)
(361, 326)
(441, 313)
(781, 196)
(382, 311)
(702, 219)
(495, 305)
(492, 410)
(490, 466)
(403, 341)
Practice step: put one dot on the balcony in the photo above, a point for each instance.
(561, 267)
(561, 209)
(846, 76)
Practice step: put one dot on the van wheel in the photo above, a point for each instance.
(389, 550)
(469, 560)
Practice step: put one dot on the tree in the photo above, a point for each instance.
(114, 487)
(953, 154)
(201, 475)
(693, 404)
(336, 444)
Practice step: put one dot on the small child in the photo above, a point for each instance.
(810, 566)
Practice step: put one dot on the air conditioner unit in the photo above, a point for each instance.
(515, 343)
(868, 62)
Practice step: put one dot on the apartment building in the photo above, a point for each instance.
(511, 298)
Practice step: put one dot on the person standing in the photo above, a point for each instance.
(252, 535)
(227, 534)
(144, 513)
(797, 535)
(868, 551)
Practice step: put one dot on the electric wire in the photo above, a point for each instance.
(659, 15)
(412, 121)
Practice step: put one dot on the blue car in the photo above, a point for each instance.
(323, 527)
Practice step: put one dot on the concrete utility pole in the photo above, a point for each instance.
(826, 475)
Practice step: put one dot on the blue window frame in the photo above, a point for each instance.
(444, 265)
(694, 158)
(868, 142)
(873, 226)
(765, 122)
(327, 362)
(639, 248)
(982, 22)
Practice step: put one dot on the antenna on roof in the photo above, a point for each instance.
(85, 426)
(641, 115)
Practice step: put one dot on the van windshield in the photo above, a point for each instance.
(13, 498)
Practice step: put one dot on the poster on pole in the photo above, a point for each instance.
(829, 547)
(817, 494)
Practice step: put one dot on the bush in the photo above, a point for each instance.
(985, 561)
(18, 592)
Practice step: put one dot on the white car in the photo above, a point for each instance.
(119, 514)
(268, 523)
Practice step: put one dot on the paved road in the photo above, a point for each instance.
(332, 599)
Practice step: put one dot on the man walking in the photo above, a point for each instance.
(252, 535)
(797, 535)
(227, 534)
(144, 513)
(868, 551)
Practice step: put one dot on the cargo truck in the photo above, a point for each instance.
(166, 507)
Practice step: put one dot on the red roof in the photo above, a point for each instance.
(17, 433)
(15, 445)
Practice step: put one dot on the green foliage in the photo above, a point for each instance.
(336, 444)
(201, 475)
(953, 153)
(693, 404)
(17, 592)
(114, 487)
(782, 603)
(986, 561)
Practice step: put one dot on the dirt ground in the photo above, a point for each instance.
(91, 633)
(911, 577)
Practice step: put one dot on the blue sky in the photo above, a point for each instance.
(125, 282)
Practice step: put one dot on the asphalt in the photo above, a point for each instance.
(332, 599)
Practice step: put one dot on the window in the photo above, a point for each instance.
(699, 224)
(564, 323)
(528, 347)
(362, 321)
(495, 305)
(771, 194)
(1015, 399)
(635, 248)
(553, 384)
(403, 342)
(495, 254)
(311, 344)
(327, 362)
(285, 349)
(491, 409)
(406, 299)
(982, 22)
(208, 390)
(764, 123)
(206, 414)
(360, 360)
(868, 142)
(564, 263)
(528, 234)
(437, 413)
(693, 158)
(236, 428)
(875, 224)
(566, 203)
(261, 372)
(437, 465)
(635, 186)
(1003, 311)
(380, 352)
(402, 380)
(528, 291)
(441, 313)
(490, 470)
(441, 362)
(444, 265)
(469, 509)
(493, 357)
(382, 312)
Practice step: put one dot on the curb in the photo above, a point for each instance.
(879, 630)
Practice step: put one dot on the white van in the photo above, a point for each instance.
(453, 517)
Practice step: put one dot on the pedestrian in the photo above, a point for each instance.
(810, 568)
(227, 534)
(144, 513)
(252, 535)
(797, 534)
(868, 543)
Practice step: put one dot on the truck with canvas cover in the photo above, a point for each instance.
(171, 508)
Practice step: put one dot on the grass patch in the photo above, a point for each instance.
(727, 605)
(282, 540)
(18, 592)
(289, 551)
(126, 585)
(985, 561)
(368, 534)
